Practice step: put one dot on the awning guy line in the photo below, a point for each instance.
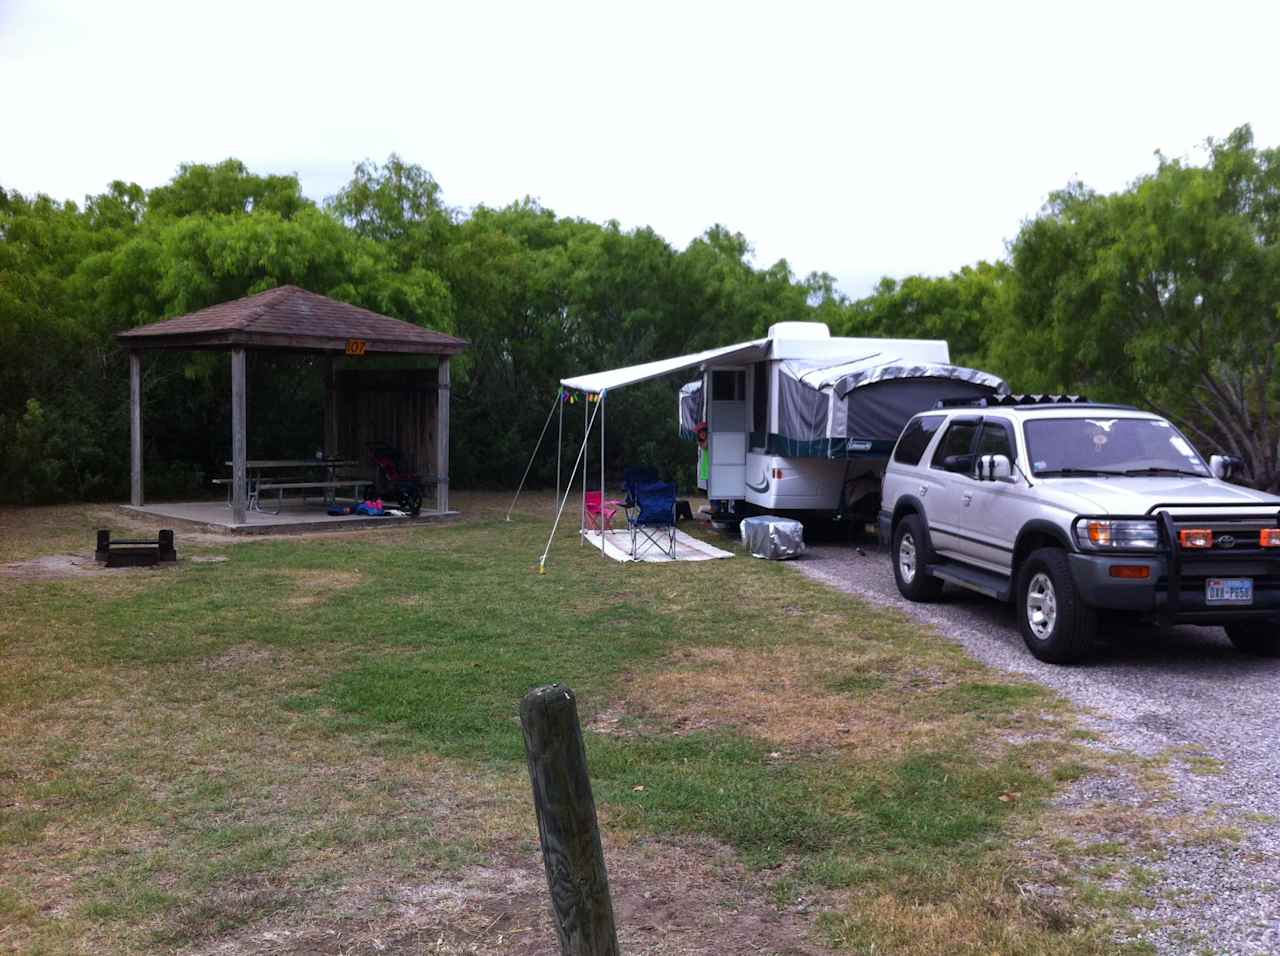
(542, 562)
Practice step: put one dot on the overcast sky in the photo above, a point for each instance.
(862, 140)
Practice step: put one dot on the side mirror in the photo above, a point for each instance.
(994, 468)
(1224, 466)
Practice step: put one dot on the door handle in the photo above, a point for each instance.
(968, 498)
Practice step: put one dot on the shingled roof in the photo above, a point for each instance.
(289, 318)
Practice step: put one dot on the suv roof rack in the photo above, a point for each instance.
(998, 401)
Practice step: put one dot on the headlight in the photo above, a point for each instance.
(1095, 534)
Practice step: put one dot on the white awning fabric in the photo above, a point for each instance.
(598, 382)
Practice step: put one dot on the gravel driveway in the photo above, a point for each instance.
(1147, 693)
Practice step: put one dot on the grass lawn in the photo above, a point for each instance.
(312, 746)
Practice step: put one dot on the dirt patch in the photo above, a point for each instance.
(668, 899)
(52, 567)
(410, 600)
(63, 567)
(241, 656)
(314, 587)
(779, 695)
(609, 721)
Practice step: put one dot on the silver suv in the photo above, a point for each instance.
(1069, 508)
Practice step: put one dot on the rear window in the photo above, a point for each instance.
(915, 439)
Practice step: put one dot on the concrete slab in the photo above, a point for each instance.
(293, 518)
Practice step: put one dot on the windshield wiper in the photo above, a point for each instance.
(1166, 471)
(1076, 472)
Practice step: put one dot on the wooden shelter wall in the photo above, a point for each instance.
(397, 407)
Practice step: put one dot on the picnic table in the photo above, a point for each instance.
(278, 475)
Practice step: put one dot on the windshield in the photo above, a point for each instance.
(1119, 446)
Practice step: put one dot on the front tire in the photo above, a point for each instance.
(1259, 638)
(1057, 626)
(908, 564)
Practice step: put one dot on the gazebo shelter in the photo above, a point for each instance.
(409, 408)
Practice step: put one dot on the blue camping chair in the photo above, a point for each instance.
(632, 476)
(653, 521)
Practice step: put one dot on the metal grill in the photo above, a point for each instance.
(1188, 568)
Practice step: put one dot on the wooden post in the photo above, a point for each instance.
(135, 429)
(239, 444)
(567, 827)
(442, 435)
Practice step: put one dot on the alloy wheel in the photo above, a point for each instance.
(907, 558)
(1042, 606)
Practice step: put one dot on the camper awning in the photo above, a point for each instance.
(598, 382)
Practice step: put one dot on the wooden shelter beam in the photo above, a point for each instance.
(239, 442)
(442, 435)
(135, 429)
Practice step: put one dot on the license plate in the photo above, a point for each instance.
(1228, 591)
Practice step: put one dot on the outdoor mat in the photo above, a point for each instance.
(617, 545)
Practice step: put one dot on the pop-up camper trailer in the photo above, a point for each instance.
(800, 421)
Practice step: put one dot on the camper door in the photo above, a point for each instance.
(727, 423)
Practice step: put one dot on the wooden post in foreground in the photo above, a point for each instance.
(567, 827)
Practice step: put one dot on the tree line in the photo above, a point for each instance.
(1163, 294)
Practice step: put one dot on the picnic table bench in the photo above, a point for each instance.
(258, 481)
(280, 487)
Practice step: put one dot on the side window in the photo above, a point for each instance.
(956, 442)
(996, 439)
(915, 439)
(760, 398)
(727, 386)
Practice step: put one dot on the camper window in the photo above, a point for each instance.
(760, 400)
(728, 386)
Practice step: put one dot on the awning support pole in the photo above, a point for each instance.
(542, 562)
(582, 529)
(559, 439)
(527, 467)
(602, 554)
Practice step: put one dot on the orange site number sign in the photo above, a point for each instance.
(355, 346)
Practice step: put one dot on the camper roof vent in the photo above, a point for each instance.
(799, 330)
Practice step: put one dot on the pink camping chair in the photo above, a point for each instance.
(600, 511)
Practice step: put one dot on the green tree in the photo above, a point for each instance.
(1167, 294)
(965, 309)
(398, 204)
(226, 188)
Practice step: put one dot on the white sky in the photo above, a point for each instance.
(859, 139)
